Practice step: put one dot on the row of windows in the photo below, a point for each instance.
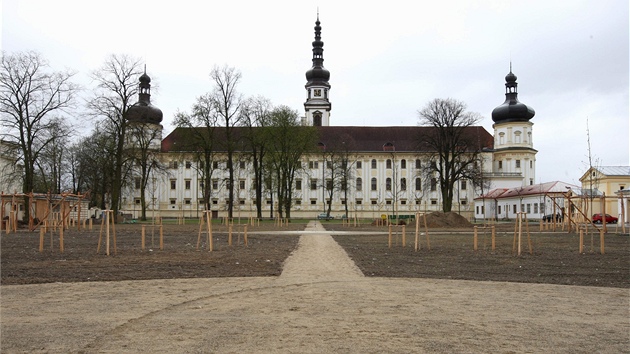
(188, 201)
(215, 164)
(311, 164)
(518, 164)
(505, 208)
(314, 184)
(359, 164)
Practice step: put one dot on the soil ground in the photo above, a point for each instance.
(286, 293)
(555, 258)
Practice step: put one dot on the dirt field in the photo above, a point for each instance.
(555, 260)
(279, 295)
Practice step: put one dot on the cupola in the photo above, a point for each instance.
(512, 110)
(143, 111)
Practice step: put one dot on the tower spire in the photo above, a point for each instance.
(317, 105)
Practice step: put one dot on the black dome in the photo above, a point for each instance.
(318, 74)
(144, 113)
(512, 110)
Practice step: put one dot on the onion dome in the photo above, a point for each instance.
(512, 110)
(143, 111)
(318, 74)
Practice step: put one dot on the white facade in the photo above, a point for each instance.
(383, 183)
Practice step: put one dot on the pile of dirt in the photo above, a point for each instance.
(438, 219)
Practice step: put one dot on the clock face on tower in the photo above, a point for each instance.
(317, 92)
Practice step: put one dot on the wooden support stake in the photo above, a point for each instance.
(475, 238)
(245, 235)
(161, 237)
(416, 245)
(404, 237)
(601, 238)
(144, 236)
(61, 239)
(390, 237)
(581, 241)
(426, 231)
(230, 235)
(42, 231)
(494, 234)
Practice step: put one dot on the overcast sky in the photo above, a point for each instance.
(387, 60)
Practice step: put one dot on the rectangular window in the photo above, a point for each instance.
(137, 182)
(403, 184)
(241, 184)
(173, 201)
(187, 184)
(373, 164)
(514, 208)
(499, 209)
(359, 165)
(298, 202)
(529, 208)
(358, 202)
(313, 184)
(374, 202)
(329, 184)
(535, 208)
(187, 201)
(298, 184)
(215, 164)
(313, 202)
(173, 184)
(463, 185)
(137, 201)
(188, 164)
(373, 184)
(359, 184)
(518, 163)
(313, 164)
(215, 184)
(433, 184)
(418, 184)
(172, 165)
(500, 165)
(418, 164)
(241, 164)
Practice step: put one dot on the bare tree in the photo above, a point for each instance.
(144, 155)
(30, 94)
(228, 103)
(256, 118)
(117, 85)
(593, 164)
(289, 141)
(53, 167)
(453, 148)
(199, 129)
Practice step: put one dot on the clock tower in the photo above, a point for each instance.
(317, 105)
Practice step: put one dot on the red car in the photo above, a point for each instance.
(597, 219)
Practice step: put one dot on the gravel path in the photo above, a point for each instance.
(320, 304)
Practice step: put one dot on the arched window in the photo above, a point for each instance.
(403, 184)
(373, 184)
(403, 163)
(388, 184)
(418, 184)
(388, 164)
(374, 164)
(359, 184)
(418, 164)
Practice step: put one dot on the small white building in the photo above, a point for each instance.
(536, 200)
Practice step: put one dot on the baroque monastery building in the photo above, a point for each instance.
(385, 162)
